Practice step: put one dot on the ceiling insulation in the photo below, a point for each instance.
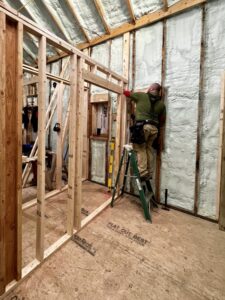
(78, 21)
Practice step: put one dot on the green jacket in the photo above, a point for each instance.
(148, 109)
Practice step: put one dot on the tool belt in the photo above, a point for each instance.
(137, 135)
(137, 131)
(144, 122)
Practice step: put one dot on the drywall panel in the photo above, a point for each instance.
(182, 89)
(213, 67)
(148, 55)
(145, 6)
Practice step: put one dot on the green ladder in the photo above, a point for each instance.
(143, 187)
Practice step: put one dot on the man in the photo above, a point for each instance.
(150, 116)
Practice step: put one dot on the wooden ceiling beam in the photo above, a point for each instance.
(57, 21)
(131, 11)
(73, 11)
(154, 17)
(101, 14)
(165, 5)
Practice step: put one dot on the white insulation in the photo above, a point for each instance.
(213, 67)
(148, 56)
(182, 83)
(182, 89)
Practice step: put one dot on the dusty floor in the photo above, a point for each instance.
(93, 195)
(176, 257)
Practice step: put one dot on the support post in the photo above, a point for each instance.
(59, 145)
(79, 144)
(222, 158)
(41, 149)
(72, 137)
(2, 149)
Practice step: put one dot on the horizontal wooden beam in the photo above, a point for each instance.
(144, 21)
(101, 82)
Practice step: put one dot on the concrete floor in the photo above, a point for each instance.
(176, 257)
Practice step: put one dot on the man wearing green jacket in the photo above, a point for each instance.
(150, 116)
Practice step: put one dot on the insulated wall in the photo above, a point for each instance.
(214, 65)
(183, 43)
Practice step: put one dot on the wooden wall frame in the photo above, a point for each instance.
(11, 33)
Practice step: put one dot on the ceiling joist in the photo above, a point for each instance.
(165, 5)
(57, 22)
(131, 11)
(156, 16)
(102, 16)
(73, 10)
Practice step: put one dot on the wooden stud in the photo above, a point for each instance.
(131, 11)
(41, 149)
(102, 15)
(72, 138)
(19, 94)
(2, 148)
(59, 146)
(162, 130)
(101, 82)
(148, 19)
(200, 114)
(72, 9)
(222, 159)
(165, 5)
(79, 145)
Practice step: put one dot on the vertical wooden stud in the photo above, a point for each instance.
(59, 145)
(79, 144)
(41, 149)
(2, 150)
(222, 159)
(72, 138)
(19, 94)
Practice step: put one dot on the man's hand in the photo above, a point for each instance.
(127, 93)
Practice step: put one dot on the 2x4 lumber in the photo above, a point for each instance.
(165, 5)
(33, 202)
(41, 149)
(72, 140)
(31, 80)
(48, 119)
(79, 144)
(73, 10)
(35, 71)
(162, 130)
(2, 149)
(131, 11)
(19, 94)
(59, 146)
(12, 148)
(32, 28)
(102, 15)
(222, 158)
(57, 21)
(199, 114)
(101, 82)
(144, 21)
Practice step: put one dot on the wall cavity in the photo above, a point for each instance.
(213, 67)
(148, 55)
(145, 6)
(182, 93)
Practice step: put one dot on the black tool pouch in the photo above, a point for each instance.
(137, 134)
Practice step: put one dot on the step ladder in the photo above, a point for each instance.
(146, 193)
